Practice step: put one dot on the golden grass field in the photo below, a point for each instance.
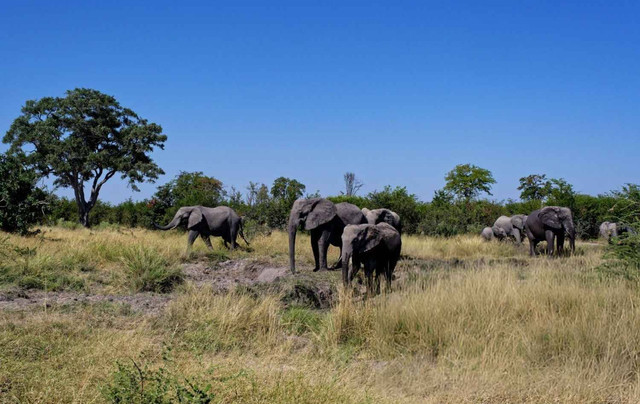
(467, 322)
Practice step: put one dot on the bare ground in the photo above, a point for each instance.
(221, 276)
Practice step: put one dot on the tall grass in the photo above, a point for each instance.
(467, 321)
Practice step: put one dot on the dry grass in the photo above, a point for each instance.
(468, 321)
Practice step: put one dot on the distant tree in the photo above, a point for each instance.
(442, 197)
(284, 193)
(235, 200)
(352, 184)
(186, 189)
(467, 181)
(534, 187)
(85, 138)
(287, 190)
(252, 192)
(22, 203)
(561, 193)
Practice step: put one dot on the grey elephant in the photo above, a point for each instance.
(377, 247)
(550, 224)
(221, 221)
(376, 216)
(506, 226)
(325, 222)
(487, 233)
(609, 230)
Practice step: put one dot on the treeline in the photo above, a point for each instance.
(85, 138)
(448, 214)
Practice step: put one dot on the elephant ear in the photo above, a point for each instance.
(195, 218)
(323, 211)
(549, 217)
(518, 221)
(372, 238)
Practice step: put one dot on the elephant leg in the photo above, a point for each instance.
(233, 234)
(207, 241)
(315, 238)
(355, 267)
(323, 247)
(388, 274)
(550, 237)
(193, 235)
(532, 247)
(516, 235)
(369, 276)
(560, 243)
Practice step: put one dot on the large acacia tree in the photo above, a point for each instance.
(84, 139)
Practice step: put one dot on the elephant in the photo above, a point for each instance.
(487, 234)
(608, 230)
(376, 216)
(325, 222)
(221, 221)
(547, 224)
(377, 247)
(506, 226)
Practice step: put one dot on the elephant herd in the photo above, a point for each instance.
(372, 238)
(550, 224)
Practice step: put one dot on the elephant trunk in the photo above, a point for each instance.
(346, 260)
(572, 236)
(293, 228)
(174, 223)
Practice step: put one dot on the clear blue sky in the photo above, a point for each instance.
(397, 92)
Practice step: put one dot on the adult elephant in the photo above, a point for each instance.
(506, 226)
(487, 233)
(549, 224)
(376, 216)
(612, 229)
(377, 247)
(325, 222)
(608, 230)
(221, 221)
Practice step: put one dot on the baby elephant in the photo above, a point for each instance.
(487, 234)
(375, 246)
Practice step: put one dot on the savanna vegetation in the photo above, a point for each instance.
(96, 307)
(468, 321)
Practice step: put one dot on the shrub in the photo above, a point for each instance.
(22, 203)
(138, 384)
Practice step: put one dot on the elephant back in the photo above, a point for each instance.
(350, 213)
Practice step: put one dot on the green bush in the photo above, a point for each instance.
(135, 383)
(22, 203)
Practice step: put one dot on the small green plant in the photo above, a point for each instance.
(137, 383)
(148, 271)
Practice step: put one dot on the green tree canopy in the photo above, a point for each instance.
(467, 181)
(534, 187)
(287, 190)
(84, 139)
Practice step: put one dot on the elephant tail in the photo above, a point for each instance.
(241, 230)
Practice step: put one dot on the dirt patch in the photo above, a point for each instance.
(32, 299)
(256, 277)
(229, 274)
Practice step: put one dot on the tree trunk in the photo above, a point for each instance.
(84, 216)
